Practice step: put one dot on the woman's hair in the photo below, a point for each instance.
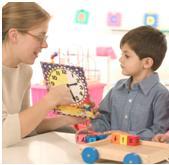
(23, 16)
(147, 41)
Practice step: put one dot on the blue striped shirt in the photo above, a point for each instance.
(143, 110)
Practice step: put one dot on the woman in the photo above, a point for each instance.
(24, 28)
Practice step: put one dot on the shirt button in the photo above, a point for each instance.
(126, 117)
(130, 100)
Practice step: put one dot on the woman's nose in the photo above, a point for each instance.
(44, 44)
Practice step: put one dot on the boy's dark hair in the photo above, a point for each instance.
(147, 41)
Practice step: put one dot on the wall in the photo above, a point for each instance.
(83, 39)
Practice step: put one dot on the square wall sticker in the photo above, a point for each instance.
(82, 17)
(151, 19)
(114, 19)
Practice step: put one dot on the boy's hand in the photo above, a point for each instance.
(161, 138)
(85, 131)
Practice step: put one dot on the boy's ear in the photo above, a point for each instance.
(13, 35)
(148, 62)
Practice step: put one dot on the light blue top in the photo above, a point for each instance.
(142, 110)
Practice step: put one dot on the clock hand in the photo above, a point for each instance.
(72, 95)
(68, 85)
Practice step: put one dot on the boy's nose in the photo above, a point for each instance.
(120, 59)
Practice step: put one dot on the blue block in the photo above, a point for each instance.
(89, 139)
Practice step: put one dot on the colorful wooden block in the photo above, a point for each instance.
(133, 140)
(101, 137)
(123, 139)
(80, 138)
(89, 139)
(115, 138)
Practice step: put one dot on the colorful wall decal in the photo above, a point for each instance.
(114, 19)
(151, 19)
(82, 16)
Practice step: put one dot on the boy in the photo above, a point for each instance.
(138, 105)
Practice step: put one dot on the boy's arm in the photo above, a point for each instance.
(102, 122)
(161, 118)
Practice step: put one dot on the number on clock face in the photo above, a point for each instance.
(73, 77)
(57, 77)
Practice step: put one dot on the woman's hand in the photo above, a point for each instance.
(69, 120)
(161, 138)
(59, 95)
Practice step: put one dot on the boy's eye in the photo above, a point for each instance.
(126, 55)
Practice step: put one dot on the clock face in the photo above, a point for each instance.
(73, 77)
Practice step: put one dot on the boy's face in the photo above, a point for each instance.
(130, 63)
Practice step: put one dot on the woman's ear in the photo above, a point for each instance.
(13, 35)
(148, 62)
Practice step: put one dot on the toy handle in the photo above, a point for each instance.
(53, 56)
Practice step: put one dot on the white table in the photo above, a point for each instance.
(53, 147)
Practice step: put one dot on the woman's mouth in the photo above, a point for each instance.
(36, 54)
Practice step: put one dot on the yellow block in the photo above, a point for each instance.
(123, 139)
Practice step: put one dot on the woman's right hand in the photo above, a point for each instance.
(59, 95)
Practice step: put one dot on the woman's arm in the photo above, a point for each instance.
(31, 117)
(59, 121)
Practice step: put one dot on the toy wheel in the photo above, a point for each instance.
(90, 155)
(132, 158)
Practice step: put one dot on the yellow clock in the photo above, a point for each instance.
(73, 77)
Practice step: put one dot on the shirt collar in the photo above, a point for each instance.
(124, 84)
(145, 85)
(149, 82)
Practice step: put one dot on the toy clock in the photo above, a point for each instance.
(71, 76)
(74, 78)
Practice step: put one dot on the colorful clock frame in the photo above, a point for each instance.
(73, 77)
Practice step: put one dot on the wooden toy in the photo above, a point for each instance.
(91, 136)
(133, 140)
(147, 152)
(74, 78)
(115, 138)
(80, 138)
(125, 139)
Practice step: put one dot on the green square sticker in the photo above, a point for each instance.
(82, 17)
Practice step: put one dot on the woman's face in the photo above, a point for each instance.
(31, 43)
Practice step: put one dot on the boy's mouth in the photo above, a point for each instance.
(121, 66)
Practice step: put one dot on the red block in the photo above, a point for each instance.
(133, 140)
(80, 138)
